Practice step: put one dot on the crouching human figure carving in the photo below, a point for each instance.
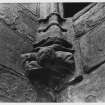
(50, 62)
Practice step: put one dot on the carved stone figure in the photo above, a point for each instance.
(54, 57)
(45, 57)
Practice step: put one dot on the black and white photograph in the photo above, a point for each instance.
(52, 52)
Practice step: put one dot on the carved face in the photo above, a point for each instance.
(51, 62)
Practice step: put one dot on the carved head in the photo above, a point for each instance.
(50, 62)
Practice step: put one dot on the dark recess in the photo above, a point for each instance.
(71, 9)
